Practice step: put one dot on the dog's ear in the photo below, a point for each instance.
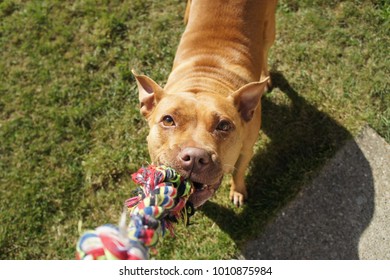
(248, 97)
(149, 92)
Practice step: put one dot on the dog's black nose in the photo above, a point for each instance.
(194, 159)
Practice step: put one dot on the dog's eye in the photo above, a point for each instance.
(224, 126)
(168, 121)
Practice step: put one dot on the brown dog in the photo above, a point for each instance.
(206, 119)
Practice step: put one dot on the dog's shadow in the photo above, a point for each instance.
(301, 140)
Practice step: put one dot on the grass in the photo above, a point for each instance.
(71, 133)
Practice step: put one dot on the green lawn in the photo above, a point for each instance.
(71, 133)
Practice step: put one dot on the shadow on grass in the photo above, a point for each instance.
(302, 139)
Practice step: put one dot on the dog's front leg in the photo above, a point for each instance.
(238, 192)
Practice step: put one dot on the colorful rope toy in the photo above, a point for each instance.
(161, 199)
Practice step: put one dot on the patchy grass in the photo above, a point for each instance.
(70, 131)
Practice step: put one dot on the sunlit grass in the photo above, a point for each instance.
(71, 133)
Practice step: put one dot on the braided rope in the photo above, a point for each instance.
(161, 198)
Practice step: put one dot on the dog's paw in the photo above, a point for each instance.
(237, 198)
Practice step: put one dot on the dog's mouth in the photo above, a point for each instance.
(203, 192)
(204, 186)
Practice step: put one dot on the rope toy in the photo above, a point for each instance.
(161, 199)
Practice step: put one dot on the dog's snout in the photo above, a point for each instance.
(194, 159)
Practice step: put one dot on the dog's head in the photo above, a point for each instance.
(199, 135)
